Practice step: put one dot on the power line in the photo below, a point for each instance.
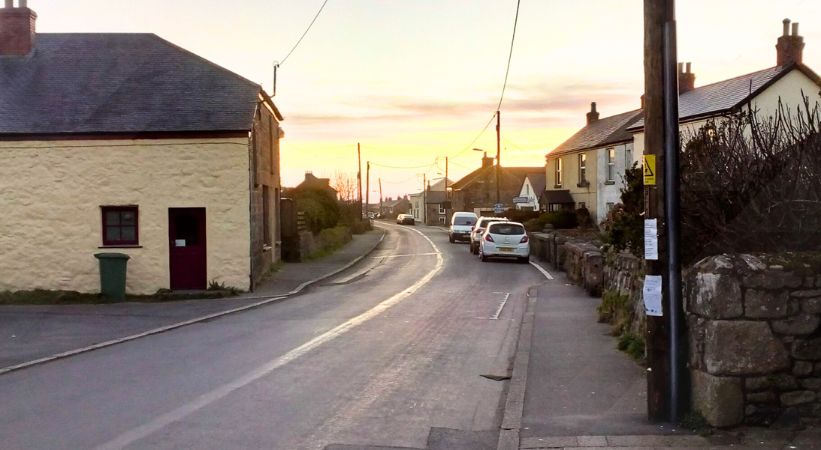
(510, 54)
(504, 85)
(304, 33)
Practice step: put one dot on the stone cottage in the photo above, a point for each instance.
(128, 143)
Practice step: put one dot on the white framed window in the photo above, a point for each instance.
(558, 168)
(611, 164)
(442, 209)
(628, 157)
(582, 168)
(442, 220)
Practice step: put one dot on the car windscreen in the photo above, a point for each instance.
(506, 229)
(463, 220)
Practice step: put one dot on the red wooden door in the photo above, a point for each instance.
(186, 233)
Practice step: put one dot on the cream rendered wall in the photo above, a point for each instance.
(789, 88)
(570, 179)
(51, 193)
(610, 192)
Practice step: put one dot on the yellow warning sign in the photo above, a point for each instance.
(649, 170)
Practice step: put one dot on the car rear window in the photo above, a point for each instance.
(506, 229)
(463, 220)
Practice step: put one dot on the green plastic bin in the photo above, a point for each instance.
(112, 274)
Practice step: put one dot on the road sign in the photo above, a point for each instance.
(520, 200)
(649, 170)
(498, 208)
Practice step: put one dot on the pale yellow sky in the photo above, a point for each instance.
(416, 80)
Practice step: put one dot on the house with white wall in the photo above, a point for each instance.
(615, 143)
(127, 143)
(531, 192)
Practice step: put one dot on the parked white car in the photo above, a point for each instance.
(460, 225)
(505, 239)
(479, 228)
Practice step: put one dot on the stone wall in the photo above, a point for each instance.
(623, 274)
(755, 341)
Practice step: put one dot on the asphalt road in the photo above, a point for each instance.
(381, 355)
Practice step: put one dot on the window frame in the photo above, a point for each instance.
(104, 210)
(582, 168)
(611, 164)
(558, 171)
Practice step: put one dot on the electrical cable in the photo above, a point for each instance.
(304, 33)
(504, 85)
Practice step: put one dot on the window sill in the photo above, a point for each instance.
(121, 246)
(609, 182)
(583, 184)
(557, 186)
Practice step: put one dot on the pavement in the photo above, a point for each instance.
(572, 389)
(36, 334)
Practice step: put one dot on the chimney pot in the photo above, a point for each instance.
(592, 116)
(680, 67)
(789, 48)
(686, 80)
(17, 29)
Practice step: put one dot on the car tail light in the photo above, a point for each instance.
(489, 238)
(524, 239)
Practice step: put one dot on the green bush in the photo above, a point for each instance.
(331, 239)
(563, 219)
(624, 225)
(320, 207)
(518, 215)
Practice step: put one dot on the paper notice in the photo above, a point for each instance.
(652, 295)
(651, 239)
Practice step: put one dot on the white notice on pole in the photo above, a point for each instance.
(651, 239)
(652, 295)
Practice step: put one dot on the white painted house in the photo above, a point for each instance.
(531, 192)
(590, 165)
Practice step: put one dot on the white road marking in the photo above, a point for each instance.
(540, 269)
(163, 420)
(501, 305)
(406, 255)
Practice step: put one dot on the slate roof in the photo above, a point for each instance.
(435, 197)
(605, 131)
(537, 180)
(520, 172)
(120, 83)
(723, 96)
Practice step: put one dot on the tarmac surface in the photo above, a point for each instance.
(569, 388)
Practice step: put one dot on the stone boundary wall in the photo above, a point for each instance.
(754, 341)
(623, 273)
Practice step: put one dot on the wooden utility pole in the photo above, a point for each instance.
(380, 196)
(359, 177)
(447, 196)
(498, 151)
(661, 147)
(424, 199)
(367, 187)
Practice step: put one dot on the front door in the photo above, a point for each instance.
(186, 233)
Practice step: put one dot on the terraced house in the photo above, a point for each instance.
(128, 143)
(588, 168)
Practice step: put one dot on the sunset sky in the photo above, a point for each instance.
(416, 80)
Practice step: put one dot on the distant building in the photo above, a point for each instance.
(418, 206)
(530, 195)
(476, 191)
(312, 182)
(392, 208)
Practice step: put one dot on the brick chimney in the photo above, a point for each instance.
(487, 161)
(789, 47)
(686, 78)
(592, 116)
(16, 29)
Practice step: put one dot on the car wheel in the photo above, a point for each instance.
(482, 255)
(525, 260)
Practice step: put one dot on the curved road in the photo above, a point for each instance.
(379, 355)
